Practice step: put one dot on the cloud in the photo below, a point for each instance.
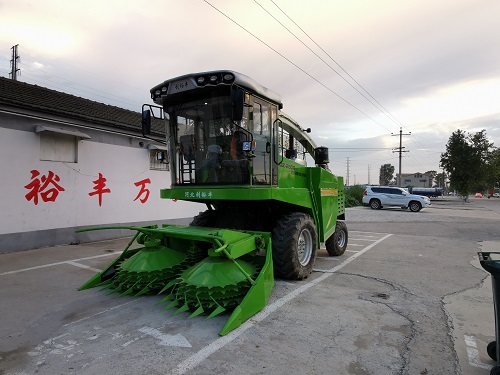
(432, 65)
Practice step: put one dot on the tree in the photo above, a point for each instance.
(441, 179)
(467, 160)
(492, 170)
(386, 174)
(432, 175)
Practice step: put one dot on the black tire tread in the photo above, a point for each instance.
(206, 218)
(331, 244)
(284, 238)
(414, 202)
(379, 204)
(491, 349)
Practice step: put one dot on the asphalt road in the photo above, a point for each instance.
(407, 297)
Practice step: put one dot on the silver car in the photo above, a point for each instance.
(379, 196)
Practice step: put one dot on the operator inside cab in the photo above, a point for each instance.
(236, 151)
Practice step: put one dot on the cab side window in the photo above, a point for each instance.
(261, 117)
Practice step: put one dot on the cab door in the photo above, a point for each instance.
(261, 116)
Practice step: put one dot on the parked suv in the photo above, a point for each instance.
(379, 196)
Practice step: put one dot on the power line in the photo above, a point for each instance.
(294, 64)
(361, 148)
(379, 106)
(92, 90)
(75, 86)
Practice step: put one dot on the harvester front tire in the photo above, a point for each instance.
(337, 243)
(205, 219)
(294, 246)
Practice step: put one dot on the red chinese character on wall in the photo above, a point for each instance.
(100, 188)
(143, 190)
(40, 186)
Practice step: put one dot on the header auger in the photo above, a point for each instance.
(232, 149)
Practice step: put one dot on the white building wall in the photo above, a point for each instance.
(121, 166)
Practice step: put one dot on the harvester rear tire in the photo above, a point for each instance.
(337, 243)
(294, 246)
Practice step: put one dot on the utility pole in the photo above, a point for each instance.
(369, 166)
(13, 63)
(347, 177)
(400, 151)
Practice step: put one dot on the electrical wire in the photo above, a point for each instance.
(378, 105)
(294, 64)
(310, 75)
(75, 86)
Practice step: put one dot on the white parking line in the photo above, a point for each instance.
(473, 353)
(102, 312)
(197, 358)
(365, 233)
(83, 266)
(59, 263)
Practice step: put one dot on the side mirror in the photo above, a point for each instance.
(237, 100)
(146, 122)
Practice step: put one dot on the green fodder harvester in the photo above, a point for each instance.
(230, 147)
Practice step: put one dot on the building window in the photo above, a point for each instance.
(59, 144)
(158, 158)
(58, 147)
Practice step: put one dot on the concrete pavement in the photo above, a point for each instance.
(408, 297)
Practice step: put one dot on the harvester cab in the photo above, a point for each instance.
(231, 148)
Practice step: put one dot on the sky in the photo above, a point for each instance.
(357, 72)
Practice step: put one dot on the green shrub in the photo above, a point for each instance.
(354, 196)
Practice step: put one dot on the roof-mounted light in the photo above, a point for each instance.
(213, 79)
(158, 92)
(200, 80)
(228, 77)
(164, 89)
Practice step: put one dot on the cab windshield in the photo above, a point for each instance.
(210, 148)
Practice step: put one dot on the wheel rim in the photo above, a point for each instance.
(414, 207)
(342, 239)
(304, 247)
(375, 204)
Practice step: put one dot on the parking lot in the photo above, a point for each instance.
(407, 297)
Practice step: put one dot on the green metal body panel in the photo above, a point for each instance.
(312, 190)
(328, 198)
(292, 175)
